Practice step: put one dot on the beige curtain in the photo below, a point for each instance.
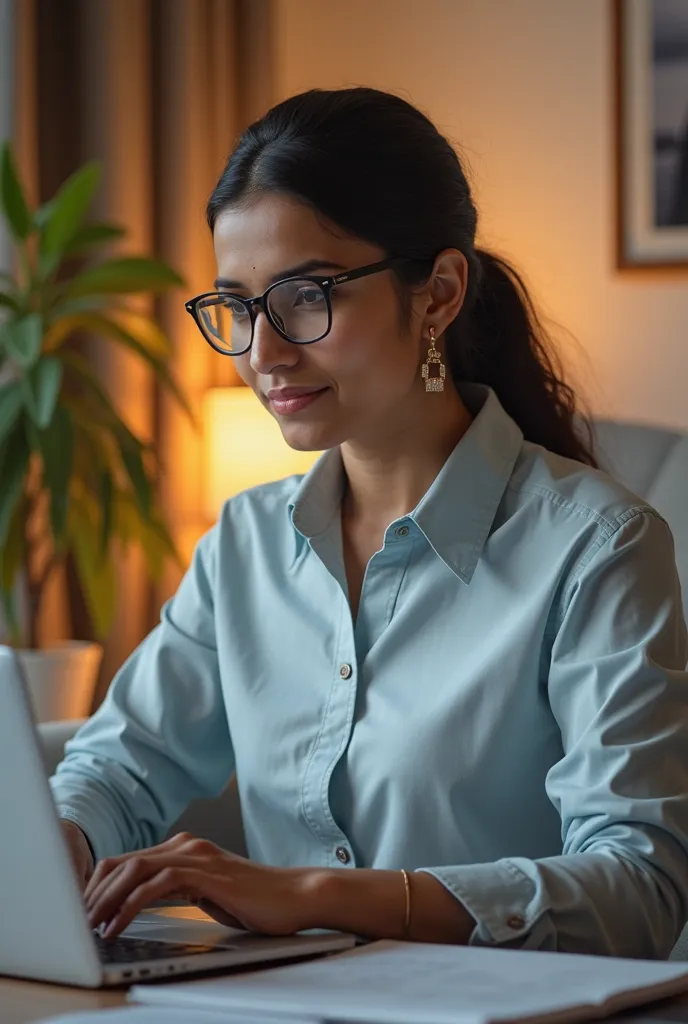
(157, 90)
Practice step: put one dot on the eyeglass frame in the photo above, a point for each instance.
(325, 282)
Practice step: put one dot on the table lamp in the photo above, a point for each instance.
(243, 447)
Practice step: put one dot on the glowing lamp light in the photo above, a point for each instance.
(243, 447)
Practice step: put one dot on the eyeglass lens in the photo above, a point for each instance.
(298, 307)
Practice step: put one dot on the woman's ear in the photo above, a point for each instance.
(446, 289)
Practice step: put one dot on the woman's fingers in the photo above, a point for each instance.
(110, 882)
(127, 876)
(103, 869)
(106, 867)
(174, 845)
(161, 884)
(116, 887)
(230, 889)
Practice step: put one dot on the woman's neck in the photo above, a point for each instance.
(386, 479)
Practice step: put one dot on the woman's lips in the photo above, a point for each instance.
(285, 406)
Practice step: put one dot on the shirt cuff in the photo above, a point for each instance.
(86, 811)
(502, 899)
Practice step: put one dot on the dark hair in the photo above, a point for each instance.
(378, 168)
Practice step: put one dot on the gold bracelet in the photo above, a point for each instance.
(407, 917)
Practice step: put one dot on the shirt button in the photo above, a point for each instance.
(345, 670)
(343, 854)
(515, 921)
(402, 531)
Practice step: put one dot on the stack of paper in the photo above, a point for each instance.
(412, 983)
(154, 1015)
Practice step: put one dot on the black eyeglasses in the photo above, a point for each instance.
(298, 308)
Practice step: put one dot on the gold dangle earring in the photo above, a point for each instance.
(434, 371)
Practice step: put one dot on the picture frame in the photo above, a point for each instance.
(651, 44)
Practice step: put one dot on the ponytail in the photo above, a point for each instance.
(503, 343)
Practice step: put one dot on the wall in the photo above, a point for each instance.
(526, 88)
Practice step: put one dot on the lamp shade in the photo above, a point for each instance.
(243, 447)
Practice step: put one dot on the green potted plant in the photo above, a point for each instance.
(75, 480)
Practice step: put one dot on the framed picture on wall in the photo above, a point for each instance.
(652, 149)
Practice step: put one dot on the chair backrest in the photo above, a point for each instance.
(653, 463)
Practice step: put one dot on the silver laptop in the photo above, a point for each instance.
(44, 930)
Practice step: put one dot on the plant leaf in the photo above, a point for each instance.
(101, 404)
(67, 210)
(11, 399)
(96, 575)
(144, 337)
(106, 497)
(57, 449)
(68, 307)
(11, 619)
(93, 234)
(130, 447)
(121, 326)
(12, 552)
(12, 196)
(156, 543)
(9, 302)
(59, 331)
(142, 329)
(95, 448)
(68, 318)
(42, 215)
(41, 388)
(22, 339)
(130, 450)
(158, 546)
(123, 276)
(14, 463)
(138, 333)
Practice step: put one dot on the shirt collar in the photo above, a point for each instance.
(457, 511)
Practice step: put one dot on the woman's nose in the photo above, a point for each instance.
(269, 350)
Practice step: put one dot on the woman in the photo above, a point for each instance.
(452, 655)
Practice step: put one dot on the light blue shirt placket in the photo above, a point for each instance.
(381, 584)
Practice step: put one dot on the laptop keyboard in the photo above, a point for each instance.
(124, 950)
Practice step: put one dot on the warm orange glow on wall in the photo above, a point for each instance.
(243, 447)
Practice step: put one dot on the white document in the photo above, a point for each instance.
(423, 983)
(162, 1015)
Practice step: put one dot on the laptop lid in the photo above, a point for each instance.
(45, 933)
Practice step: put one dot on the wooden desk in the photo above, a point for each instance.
(22, 1002)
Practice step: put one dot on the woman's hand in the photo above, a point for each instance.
(233, 890)
(272, 901)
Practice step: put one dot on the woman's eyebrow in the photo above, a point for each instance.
(302, 268)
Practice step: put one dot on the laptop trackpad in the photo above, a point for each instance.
(183, 924)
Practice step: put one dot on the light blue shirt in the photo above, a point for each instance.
(509, 711)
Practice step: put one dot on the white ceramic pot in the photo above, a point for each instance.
(62, 679)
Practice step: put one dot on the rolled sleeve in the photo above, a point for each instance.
(618, 689)
(500, 897)
(160, 739)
